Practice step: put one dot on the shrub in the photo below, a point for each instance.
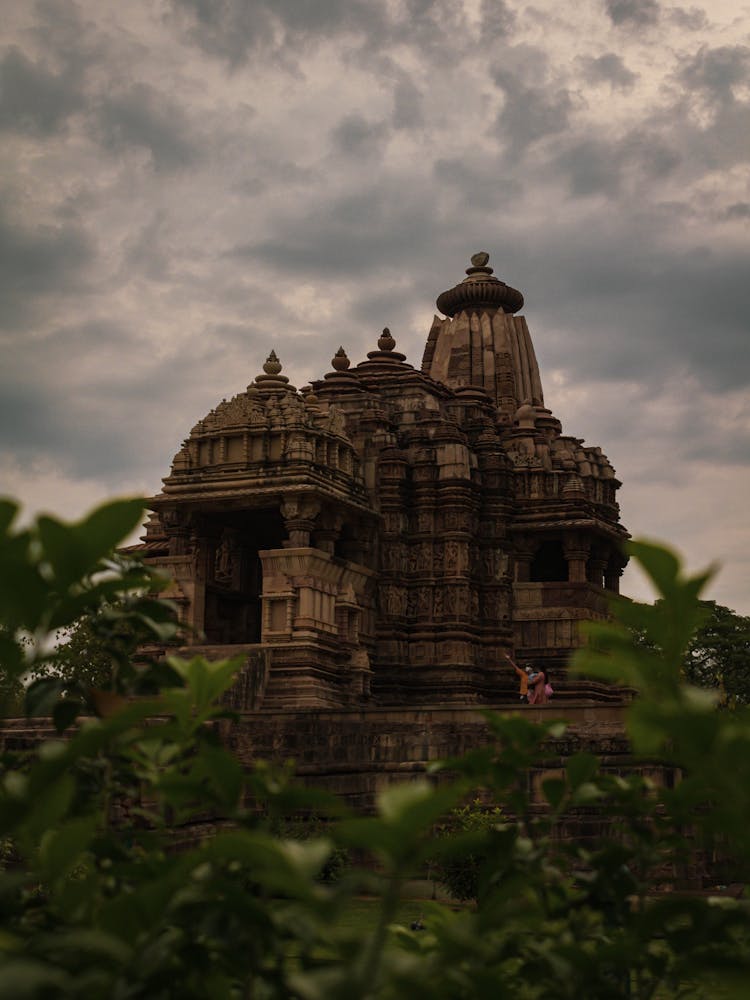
(468, 832)
(95, 902)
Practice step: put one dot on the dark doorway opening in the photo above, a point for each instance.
(234, 579)
(549, 565)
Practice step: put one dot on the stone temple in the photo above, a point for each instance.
(381, 538)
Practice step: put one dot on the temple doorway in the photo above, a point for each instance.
(234, 580)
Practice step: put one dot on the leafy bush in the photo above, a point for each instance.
(466, 831)
(95, 901)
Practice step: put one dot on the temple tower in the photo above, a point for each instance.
(386, 534)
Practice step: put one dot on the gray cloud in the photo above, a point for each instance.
(34, 100)
(594, 166)
(717, 72)
(632, 13)
(738, 210)
(498, 19)
(236, 29)
(351, 234)
(407, 105)
(356, 136)
(608, 68)
(688, 18)
(143, 117)
(37, 263)
(630, 309)
(531, 110)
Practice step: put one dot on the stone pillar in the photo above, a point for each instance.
(612, 575)
(597, 565)
(327, 534)
(523, 551)
(299, 515)
(577, 553)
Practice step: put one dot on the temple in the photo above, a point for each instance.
(384, 536)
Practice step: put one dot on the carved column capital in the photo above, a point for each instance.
(299, 515)
(328, 530)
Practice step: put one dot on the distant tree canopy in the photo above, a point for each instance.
(84, 654)
(718, 655)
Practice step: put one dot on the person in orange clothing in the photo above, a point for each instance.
(523, 679)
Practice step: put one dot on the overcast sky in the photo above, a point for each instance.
(189, 183)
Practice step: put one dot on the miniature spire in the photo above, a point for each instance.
(385, 352)
(340, 362)
(273, 365)
(386, 341)
(272, 380)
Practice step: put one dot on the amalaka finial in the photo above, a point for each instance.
(479, 291)
(340, 362)
(272, 381)
(386, 341)
(273, 365)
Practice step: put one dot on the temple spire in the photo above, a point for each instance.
(482, 343)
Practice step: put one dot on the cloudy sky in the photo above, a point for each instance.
(186, 184)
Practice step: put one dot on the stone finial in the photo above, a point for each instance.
(386, 341)
(480, 291)
(340, 362)
(272, 380)
(273, 365)
(480, 266)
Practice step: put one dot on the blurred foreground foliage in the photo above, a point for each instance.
(95, 902)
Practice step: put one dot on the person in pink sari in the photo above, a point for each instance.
(537, 688)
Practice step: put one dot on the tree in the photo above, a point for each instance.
(718, 655)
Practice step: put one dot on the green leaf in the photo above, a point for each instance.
(581, 767)
(554, 791)
(8, 510)
(43, 695)
(30, 979)
(65, 713)
(661, 565)
(48, 809)
(61, 848)
(86, 942)
(206, 681)
(223, 772)
(397, 801)
(75, 550)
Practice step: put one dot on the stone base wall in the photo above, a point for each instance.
(357, 753)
